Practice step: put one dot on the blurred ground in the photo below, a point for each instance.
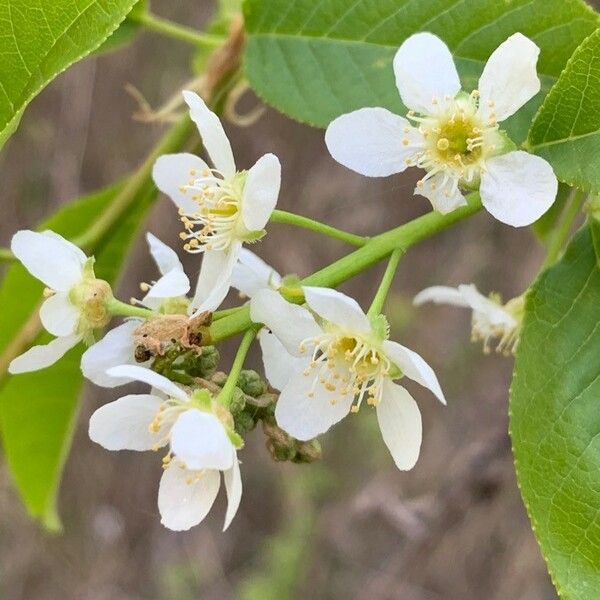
(350, 527)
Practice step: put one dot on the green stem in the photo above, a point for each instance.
(122, 309)
(177, 32)
(174, 139)
(236, 368)
(377, 248)
(226, 312)
(6, 255)
(281, 216)
(386, 282)
(561, 233)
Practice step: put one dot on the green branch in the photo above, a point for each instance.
(176, 31)
(376, 249)
(281, 216)
(386, 282)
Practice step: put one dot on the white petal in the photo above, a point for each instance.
(214, 280)
(124, 424)
(260, 192)
(116, 348)
(442, 192)
(53, 260)
(424, 70)
(289, 322)
(440, 294)
(414, 367)
(166, 258)
(279, 364)
(305, 417)
(213, 136)
(233, 486)
(509, 78)
(494, 313)
(173, 284)
(252, 273)
(371, 141)
(186, 497)
(172, 172)
(137, 373)
(400, 423)
(200, 441)
(40, 357)
(59, 316)
(335, 307)
(518, 188)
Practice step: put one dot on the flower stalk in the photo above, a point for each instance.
(226, 394)
(386, 281)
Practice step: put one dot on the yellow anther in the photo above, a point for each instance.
(354, 409)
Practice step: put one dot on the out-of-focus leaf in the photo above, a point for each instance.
(555, 418)
(38, 410)
(317, 60)
(40, 39)
(566, 130)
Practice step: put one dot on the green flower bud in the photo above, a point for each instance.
(251, 383)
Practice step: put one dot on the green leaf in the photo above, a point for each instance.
(127, 31)
(544, 226)
(317, 60)
(555, 418)
(38, 410)
(40, 39)
(566, 130)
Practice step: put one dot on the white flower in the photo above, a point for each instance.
(251, 274)
(201, 445)
(456, 138)
(491, 319)
(347, 359)
(166, 295)
(75, 302)
(221, 208)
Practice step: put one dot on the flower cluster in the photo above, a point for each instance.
(323, 356)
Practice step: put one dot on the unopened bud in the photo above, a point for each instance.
(251, 383)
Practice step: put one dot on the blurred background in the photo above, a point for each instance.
(351, 526)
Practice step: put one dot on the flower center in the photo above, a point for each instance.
(217, 221)
(457, 140)
(344, 363)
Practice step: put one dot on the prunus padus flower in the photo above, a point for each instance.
(455, 137)
(221, 208)
(199, 433)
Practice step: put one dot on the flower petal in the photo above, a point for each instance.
(425, 70)
(116, 348)
(279, 364)
(518, 188)
(172, 172)
(260, 192)
(440, 294)
(137, 373)
(233, 486)
(40, 357)
(213, 135)
(186, 497)
(200, 441)
(166, 258)
(372, 141)
(125, 424)
(251, 274)
(442, 192)
(214, 280)
(289, 322)
(59, 316)
(337, 308)
(53, 260)
(509, 78)
(304, 416)
(399, 419)
(495, 314)
(414, 367)
(173, 284)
